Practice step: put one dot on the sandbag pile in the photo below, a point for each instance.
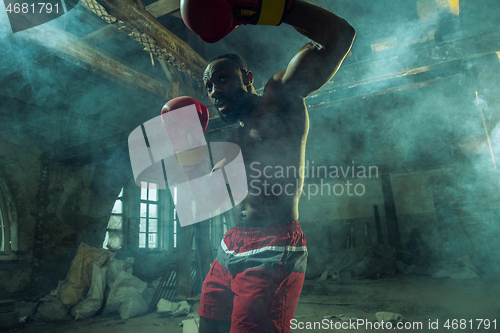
(95, 281)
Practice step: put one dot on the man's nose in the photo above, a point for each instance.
(216, 91)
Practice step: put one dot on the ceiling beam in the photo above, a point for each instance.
(85, 55)
(414, 66)
(82, 54)
(100, 35)
(183, 55)
(94, 38)
(163, 7)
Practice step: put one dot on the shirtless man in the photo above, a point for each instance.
(255, 281)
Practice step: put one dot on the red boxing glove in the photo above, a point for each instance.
(184, 130)
(212, 20)
(209, 19)
(182, 101)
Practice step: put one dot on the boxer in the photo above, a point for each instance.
(256, 279)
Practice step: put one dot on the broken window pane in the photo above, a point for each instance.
(115, 222)
(115, 239)
(117, 208)
(105, 243)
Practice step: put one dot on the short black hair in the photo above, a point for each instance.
(235, 58)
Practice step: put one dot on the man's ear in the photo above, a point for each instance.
(248, 78)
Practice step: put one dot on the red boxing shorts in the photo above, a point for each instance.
(256, 279)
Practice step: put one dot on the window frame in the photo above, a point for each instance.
(159, 219)
(167, 220)
(174, 222)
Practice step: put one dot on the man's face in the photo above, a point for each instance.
(225, 87)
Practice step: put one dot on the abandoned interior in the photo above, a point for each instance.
(401, 202)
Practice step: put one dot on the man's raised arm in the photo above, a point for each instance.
(316, 62)
(313, 65)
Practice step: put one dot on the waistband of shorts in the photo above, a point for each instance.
(291, 226)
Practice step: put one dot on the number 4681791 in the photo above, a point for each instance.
(470, 324)
(25, 8)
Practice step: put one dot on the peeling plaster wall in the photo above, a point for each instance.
(432, 143)
(55, 206)
(455, 215)
(19, 172)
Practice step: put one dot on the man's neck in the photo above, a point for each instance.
(248, 104)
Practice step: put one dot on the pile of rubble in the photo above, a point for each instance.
(99, 284)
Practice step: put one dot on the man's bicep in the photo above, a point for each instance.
(311, 68)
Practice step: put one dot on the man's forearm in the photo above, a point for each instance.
(320, 25)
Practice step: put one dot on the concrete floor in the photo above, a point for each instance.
(418, 299)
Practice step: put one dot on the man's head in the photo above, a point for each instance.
(228, 82)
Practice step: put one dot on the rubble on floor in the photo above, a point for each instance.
(191, 325)
(50, 309)
(93, 301)
(99, 284)
(173, 309)
(79, 277)
(341, 317)
(415, 270)
(125, 297)
(26, 310)
(9, 317)
(389, 317)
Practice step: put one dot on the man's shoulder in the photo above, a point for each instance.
(275, 82)
(276, 89)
